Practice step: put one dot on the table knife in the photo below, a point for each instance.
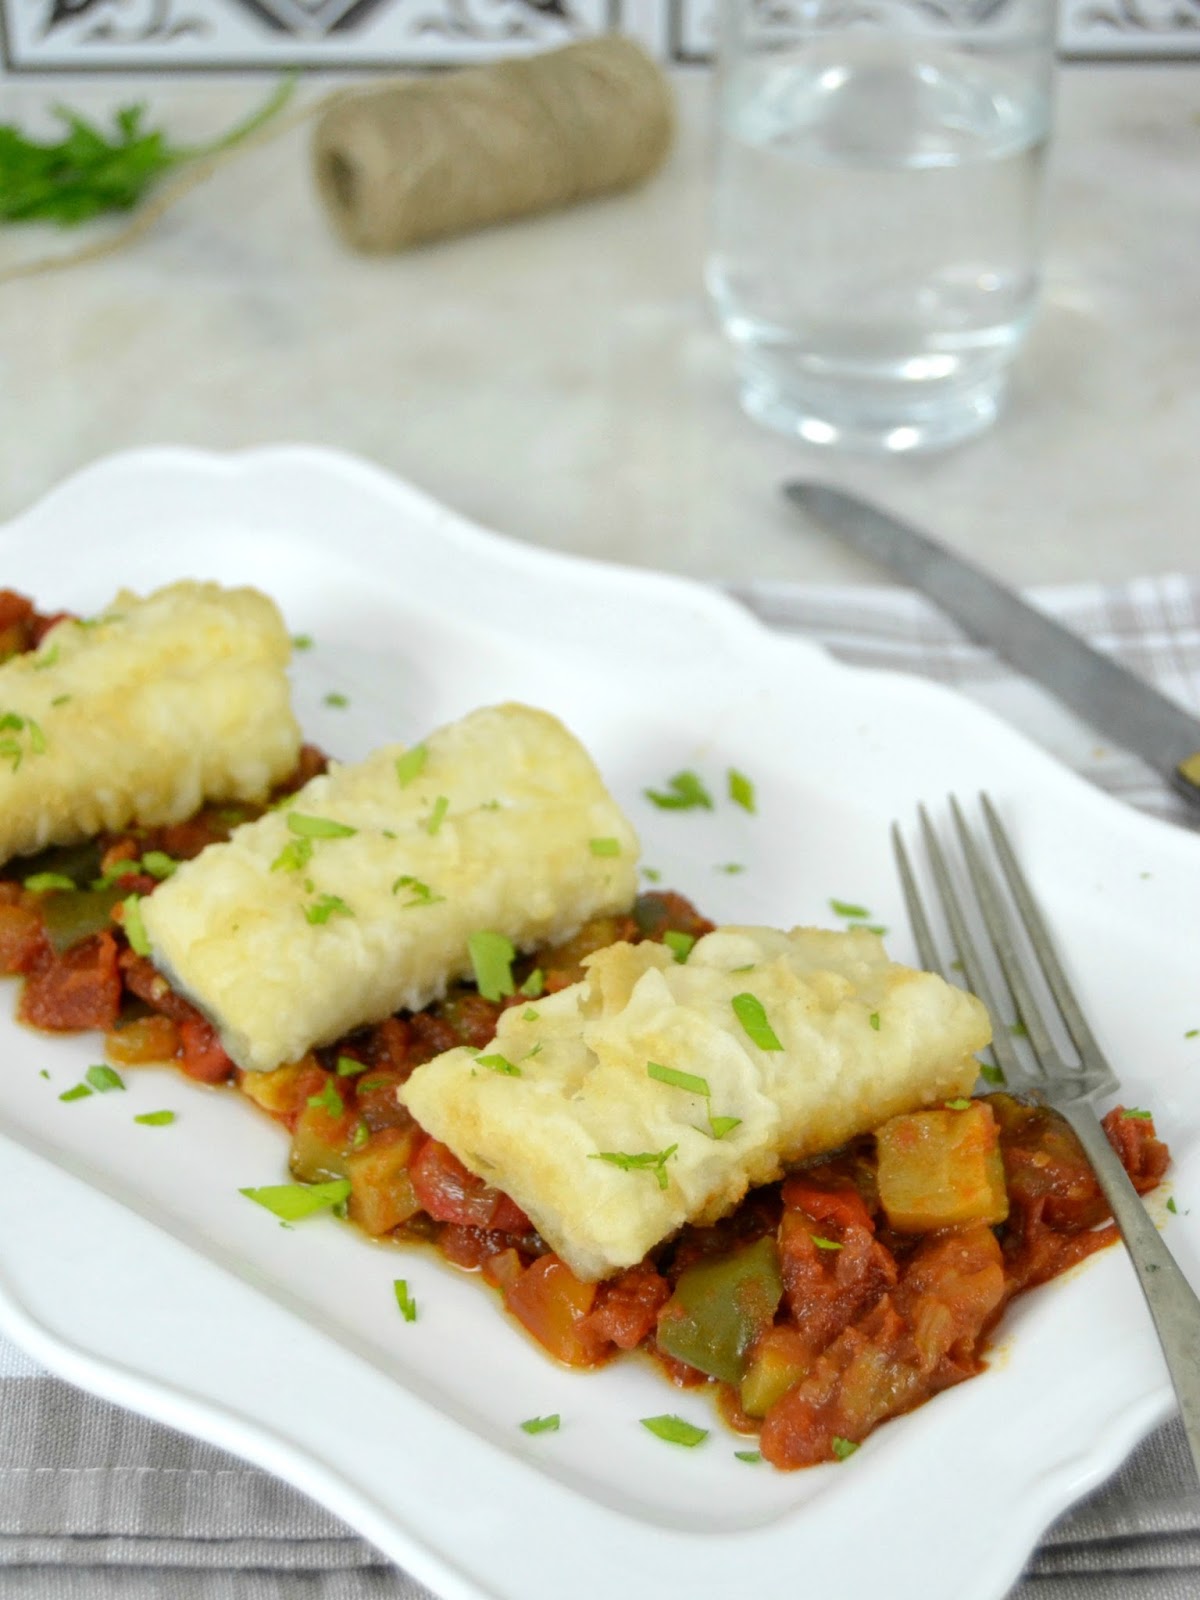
(1108, 696)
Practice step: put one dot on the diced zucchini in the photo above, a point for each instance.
(720, 1308)
(941, 1169)
(381, 1192)
(321, 1145)
(777, 1365)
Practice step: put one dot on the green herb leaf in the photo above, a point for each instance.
(1018, 1030)
(492, 958)
(535, 984)
(1192, 1033)
(318, 827)
(408, 1306)
(750, 1012)
(1171, 1206)
(328, 1100)
(752, 1456)
(683, 792)
(675, 1430)
(79, 1092)
(347, 1067)
(873, 1019)
(437, 816)
(530, 1015)
(651, 1160)
(731, 867)
(678, 1080)
(720, 1126)
(40, 882)
(336, 699)
(1138, 1114)
(294, 856)
(159, 864)
(679, 944)
(875, 927)
(842, 1448)
(420, 893)
(302, 641)
(103, 1079)
(652, 874)
(156, 1119)
(361, 1134)
(847, 908)
(366, 1085)
(541, 1424)
(295, 1201)
(957, 1105)
(741, 790)
(991, 1075)
(45, 659)
(500, 1064)
(604, 847)
(131, 921)
(411, 764)
(825, 1244)
(325, 906)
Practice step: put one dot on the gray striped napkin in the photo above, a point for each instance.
(98, 1503)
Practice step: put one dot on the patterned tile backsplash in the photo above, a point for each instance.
(156, 35)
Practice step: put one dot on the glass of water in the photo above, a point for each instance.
(877, 210)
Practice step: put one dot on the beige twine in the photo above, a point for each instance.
(429, 157)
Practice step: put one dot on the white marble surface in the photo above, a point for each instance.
(561, 379)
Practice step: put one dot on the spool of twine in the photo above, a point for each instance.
(429, 157)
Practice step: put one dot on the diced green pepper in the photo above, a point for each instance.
(74, 914)
(720, 1308)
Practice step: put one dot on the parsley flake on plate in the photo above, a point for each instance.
(411, 764)
(991, 1075)
(848, 908)
(79, 1092)
(103, 1079)
(679, 944)
(405, 1301)
(328, 1100)
(337, 700)
(675, 1430)
(752, 1015)
(292, 1202)
(683, 792)
(842, 1448)
(548, 1424)
(156, 1119)
(741, 790)
(752, 1456)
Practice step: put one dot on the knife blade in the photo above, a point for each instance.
(1107, 695)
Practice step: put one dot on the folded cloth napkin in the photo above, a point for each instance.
(98, 1503)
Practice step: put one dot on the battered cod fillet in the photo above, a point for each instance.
(144, 713)
(850, 1039)
(360, 897)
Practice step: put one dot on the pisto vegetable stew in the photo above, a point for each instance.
(850, 1292)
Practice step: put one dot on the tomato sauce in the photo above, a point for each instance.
(810, 1315)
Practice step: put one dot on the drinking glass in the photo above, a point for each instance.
(878, 210)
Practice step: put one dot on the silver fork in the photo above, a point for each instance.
(1071, 1087)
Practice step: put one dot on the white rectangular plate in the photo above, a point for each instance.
(130, 1264)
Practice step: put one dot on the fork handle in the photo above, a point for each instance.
(1172, 1301)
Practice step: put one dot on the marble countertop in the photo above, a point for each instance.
(562, 380)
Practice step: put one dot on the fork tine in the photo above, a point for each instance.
(977, 976)
(999, 926)
(922, 933)
(1039, 936)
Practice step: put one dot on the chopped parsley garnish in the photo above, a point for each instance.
(337, 700)
(103, 1079)
(156, 1119)
(492, 958)
(683, 792)
(40, 882)
(408, 1306)
(1018, 1030)
(604, 847)
(294, 856)
(731, 867)
(825, 1244)
(752, 1456)
(420, 894)
(847, 908)
(60, 699)
(347, 1067)
(325, 906)
(302, 641)
(535, 984)
(675, 1430)
(361, 1134)
(842, 1448)
(328, 1100)
(957, 1105)
(873, 1019)
(530, 1015)
(318, 827)
(159, 864)
(292, 1202)
(501, 1064)
(79, 1092)
(368, 1084)
(1171, 1206)
(438, 815)
(652, 874)
(1192, 1033)
(875, 927)
(991, 1074)
(411, 764)
(647, 1160)
(751, 1013)
(678, 1080)
(541, 1424)
(131, 921)
(679, 944)
(1138, 1114)
(44, 660)
(741, 790)
(720, 1126)
(10, 746)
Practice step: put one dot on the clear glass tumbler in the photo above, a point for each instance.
(877, 210)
